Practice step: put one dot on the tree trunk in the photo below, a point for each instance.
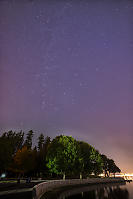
(106, 174)
(64, 176)
(80, 176)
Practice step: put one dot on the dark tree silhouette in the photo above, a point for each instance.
(28, 141)
(40, 141)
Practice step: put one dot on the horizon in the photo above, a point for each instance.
(66, 68)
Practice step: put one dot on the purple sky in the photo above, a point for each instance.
(66, 67)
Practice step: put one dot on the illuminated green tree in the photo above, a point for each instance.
(62, 155)
(96, 161)
(84, 165)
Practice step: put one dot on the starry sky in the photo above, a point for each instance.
(66, 67)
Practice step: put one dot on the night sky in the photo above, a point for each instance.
(66, 67)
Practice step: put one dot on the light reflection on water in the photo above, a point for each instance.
(129, 187)
(110, 191)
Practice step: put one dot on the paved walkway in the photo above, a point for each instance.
(21, 190)
(15, 191)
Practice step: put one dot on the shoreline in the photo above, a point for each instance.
(60, 193)
(47, 188)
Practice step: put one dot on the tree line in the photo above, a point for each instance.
(62, 156)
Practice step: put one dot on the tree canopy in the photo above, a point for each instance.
(64, 155)
(109, 166)
(28, 141)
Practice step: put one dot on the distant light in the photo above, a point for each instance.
(3, 175)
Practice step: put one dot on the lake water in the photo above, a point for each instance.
(112, 191)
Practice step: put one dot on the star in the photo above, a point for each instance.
(80, 84)
(56, 108)
(97, 69)
(33, 92)
(116, 9)
(73, 101)
(76, 74)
